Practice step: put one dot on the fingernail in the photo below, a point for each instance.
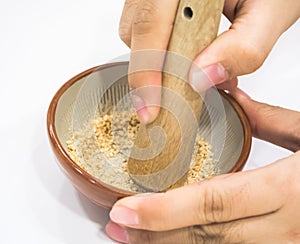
(202, 80)
(116, 232)
(141, 108)
(124, 216)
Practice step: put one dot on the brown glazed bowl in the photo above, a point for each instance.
(223, 123)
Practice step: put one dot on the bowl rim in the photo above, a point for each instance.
(73, 166)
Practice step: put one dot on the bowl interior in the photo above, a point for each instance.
(223, 124)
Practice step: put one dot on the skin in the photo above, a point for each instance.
(256, 26)
(231, 208)
(241, 210)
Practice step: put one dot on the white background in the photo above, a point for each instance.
(42, 45)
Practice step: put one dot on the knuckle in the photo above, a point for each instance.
(234, 232)
(125, 34)
(218, 233)
(212, 206)
(268, 113)
(206, 234)
(254, 53)
(144, 18)
(255, 56)
(126, 21)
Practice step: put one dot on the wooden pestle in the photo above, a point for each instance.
(163, 149)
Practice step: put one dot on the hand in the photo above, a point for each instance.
(256, 26)
(258, 206)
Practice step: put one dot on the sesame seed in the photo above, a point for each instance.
(103, 146)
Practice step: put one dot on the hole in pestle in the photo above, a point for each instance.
(188, 13)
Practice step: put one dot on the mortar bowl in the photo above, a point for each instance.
(223, 124)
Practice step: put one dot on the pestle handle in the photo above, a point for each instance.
(161, 157)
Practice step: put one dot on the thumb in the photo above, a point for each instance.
(277, 125)
(218, 200)
(245, 46)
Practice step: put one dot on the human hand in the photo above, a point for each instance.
(256, 26)
(257, 206)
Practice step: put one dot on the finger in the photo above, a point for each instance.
(151, 29)
(259, 229)
(273, 124)
(128, 235)
(229, 9)
(256, 229)
(221, 199)
(228, 85)
(163, 237)
(244, 47)
(215, 233)
(116, 232)
(126, 20)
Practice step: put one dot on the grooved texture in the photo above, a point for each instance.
(172, 145)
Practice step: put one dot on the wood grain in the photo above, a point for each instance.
(163, 149)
